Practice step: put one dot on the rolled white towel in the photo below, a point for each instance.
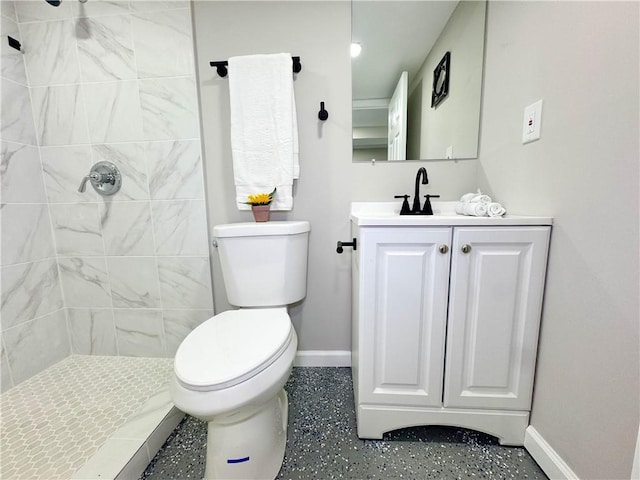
(495, 210)
(481, 198)
(475, 209)
(460, 208)
(476, 197)
(467, 197)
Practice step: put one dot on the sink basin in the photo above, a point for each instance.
(444, 213)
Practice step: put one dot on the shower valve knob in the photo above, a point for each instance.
(104, 177)
(83, 184)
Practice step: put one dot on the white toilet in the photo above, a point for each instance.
(230, 370)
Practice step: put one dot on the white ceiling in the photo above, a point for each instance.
(395, 36)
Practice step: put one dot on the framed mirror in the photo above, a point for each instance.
(417, 82)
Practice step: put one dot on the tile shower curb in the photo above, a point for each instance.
(130, 449)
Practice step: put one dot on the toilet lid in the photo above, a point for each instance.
(232, 347)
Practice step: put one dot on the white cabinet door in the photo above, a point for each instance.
(402, 311)
(494, 313)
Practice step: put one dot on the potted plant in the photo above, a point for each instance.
(260, 205)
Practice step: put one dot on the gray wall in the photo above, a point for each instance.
(583, 61)
(454, 122)
(382, 180)
(581, 58)
(319, 32)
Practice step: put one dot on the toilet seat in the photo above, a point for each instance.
(232, 347)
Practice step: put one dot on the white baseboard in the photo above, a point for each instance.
(635, 470)
(322, 358)
(550, 462)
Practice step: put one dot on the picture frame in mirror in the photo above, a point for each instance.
(440, 88)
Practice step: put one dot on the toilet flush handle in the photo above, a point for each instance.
(353, 244)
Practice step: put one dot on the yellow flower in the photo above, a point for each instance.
(261, 198)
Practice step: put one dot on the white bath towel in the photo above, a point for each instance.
(475, 209)
(264, 131)
(476, 197)
(495, 209)
(481, 198)
(467, 197)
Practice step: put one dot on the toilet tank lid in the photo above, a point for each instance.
(255, 229)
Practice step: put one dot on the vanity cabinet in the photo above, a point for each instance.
(445, 326)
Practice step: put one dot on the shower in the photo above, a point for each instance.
(59, 319)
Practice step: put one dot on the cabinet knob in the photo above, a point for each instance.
(466, 248)
(443, 248)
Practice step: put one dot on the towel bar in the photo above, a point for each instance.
(221, 66)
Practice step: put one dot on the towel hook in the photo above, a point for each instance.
(323, 114)
(297, 66)
(221, 68)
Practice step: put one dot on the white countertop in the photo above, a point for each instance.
(388, 214)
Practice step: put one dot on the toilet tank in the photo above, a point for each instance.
(263, 264)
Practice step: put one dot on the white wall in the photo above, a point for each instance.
(319, 32)
(581, 58)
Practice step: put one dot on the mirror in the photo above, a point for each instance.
(439, 47)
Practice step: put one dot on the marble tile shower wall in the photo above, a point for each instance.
(81, 273)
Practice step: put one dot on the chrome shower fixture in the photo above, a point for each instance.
(105, 178)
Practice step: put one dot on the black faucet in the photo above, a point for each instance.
(416, 209)
(422, 172)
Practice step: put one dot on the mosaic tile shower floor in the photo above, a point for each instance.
(54, 422)
(322, 443)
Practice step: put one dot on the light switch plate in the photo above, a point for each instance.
(531, 122)
(449, 152)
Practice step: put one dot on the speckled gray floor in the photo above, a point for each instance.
(322, 443)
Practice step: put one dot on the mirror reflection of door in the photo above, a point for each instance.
(397, 140)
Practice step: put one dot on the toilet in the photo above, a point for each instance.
(230, 370)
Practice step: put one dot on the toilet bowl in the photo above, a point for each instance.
(230, 370)
(249, 353)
